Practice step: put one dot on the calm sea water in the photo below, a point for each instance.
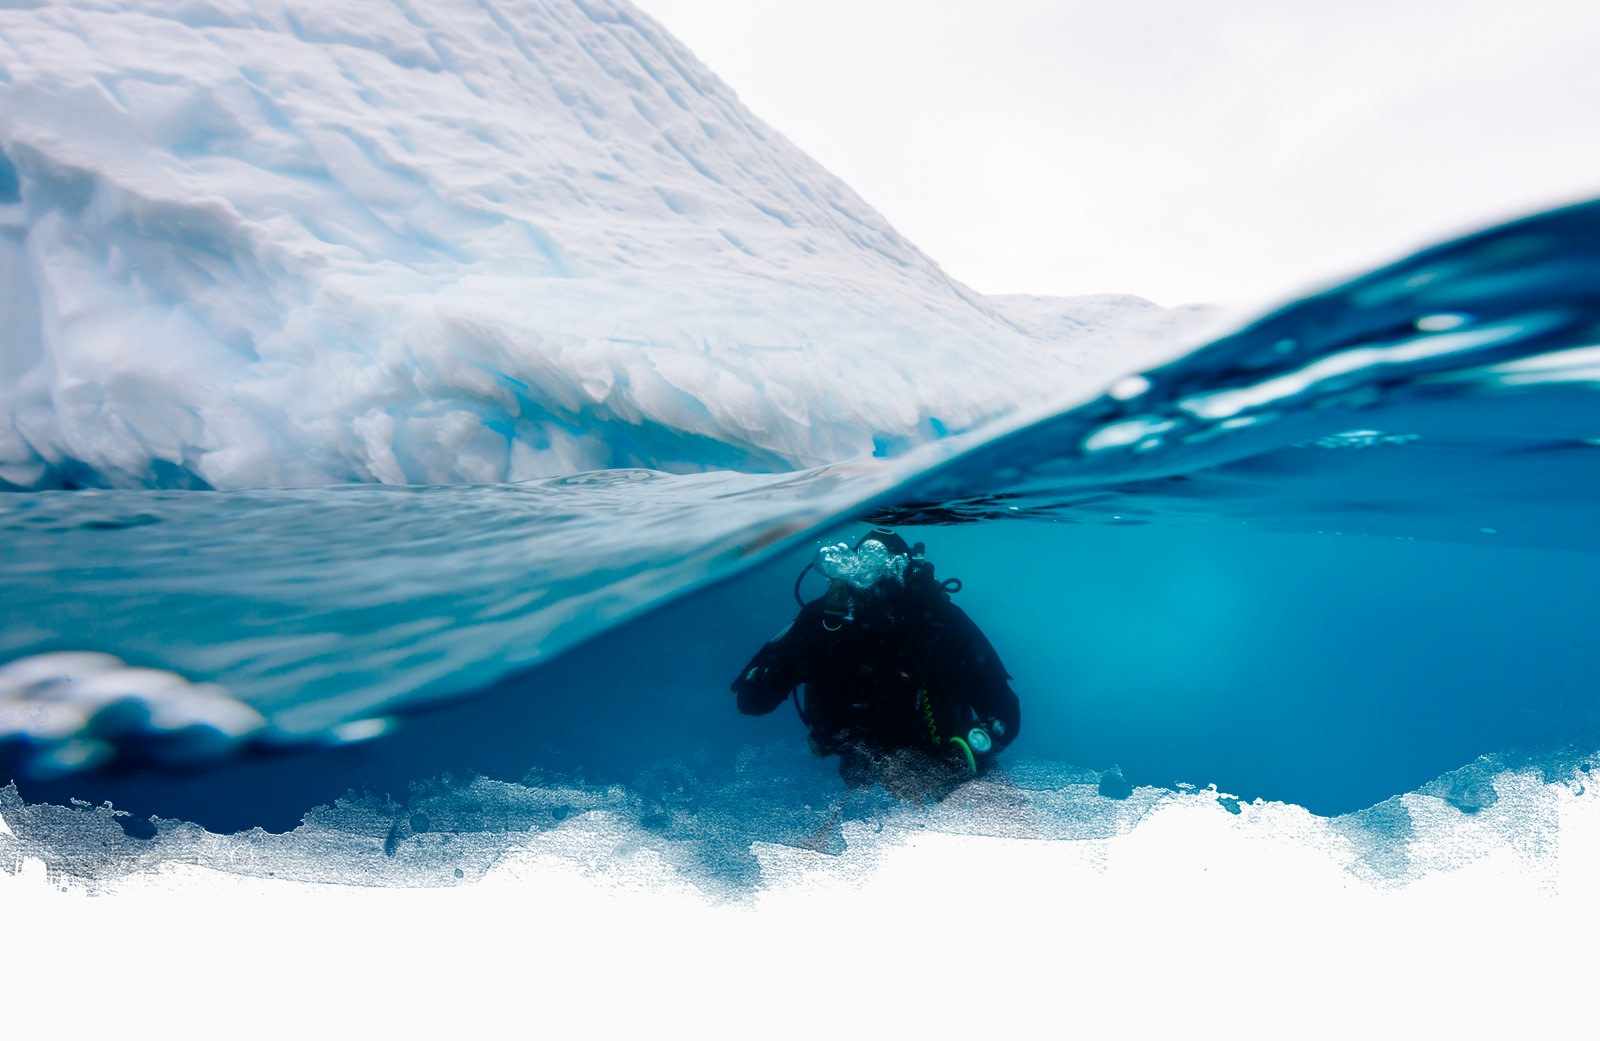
(1324, 561)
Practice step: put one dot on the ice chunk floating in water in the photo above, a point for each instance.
(1329, 560)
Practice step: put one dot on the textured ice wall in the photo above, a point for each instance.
(274, 243)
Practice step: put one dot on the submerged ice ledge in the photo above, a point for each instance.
(746, 830)
(1182, 920)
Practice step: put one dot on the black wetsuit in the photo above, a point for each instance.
(896, 668)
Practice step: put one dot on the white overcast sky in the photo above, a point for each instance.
(1222, 151)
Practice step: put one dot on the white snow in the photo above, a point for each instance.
(248, 244)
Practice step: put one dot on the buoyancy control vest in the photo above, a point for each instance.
(909, 619)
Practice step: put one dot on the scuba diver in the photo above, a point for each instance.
(898, 681)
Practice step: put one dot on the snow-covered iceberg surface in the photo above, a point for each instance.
(297, 243)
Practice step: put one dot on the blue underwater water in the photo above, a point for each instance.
(1324, 560)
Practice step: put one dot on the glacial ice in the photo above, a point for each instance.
(261, 244)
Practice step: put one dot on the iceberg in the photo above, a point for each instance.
(410, 419)
(247, 245)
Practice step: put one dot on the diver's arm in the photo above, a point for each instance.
(777, 668)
